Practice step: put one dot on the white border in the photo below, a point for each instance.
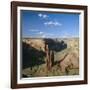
(54, 78)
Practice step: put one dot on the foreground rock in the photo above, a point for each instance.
(70, 61)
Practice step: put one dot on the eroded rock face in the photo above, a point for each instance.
(39, 44)
(71, 60)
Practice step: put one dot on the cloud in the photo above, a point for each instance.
(66, 35)
(52, 23)
(40, 15)
(50, 34)
(40, 32)
(47, 35)
(44, 16)
(34, 30)
(43, 36)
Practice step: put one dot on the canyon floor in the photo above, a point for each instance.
(66, 57)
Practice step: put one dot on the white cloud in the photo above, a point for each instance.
(40, 32)
(57, 24)
(34, 30)
(66, 34)
(50, 34)
(45, 16)
(48, 23)
(52, 23)
(47, 35)
(43, 36)
(42, 15)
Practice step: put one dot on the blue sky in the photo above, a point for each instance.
(49, 25)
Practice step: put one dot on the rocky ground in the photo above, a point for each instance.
(66, 57)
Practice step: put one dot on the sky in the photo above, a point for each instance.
(39, 24)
